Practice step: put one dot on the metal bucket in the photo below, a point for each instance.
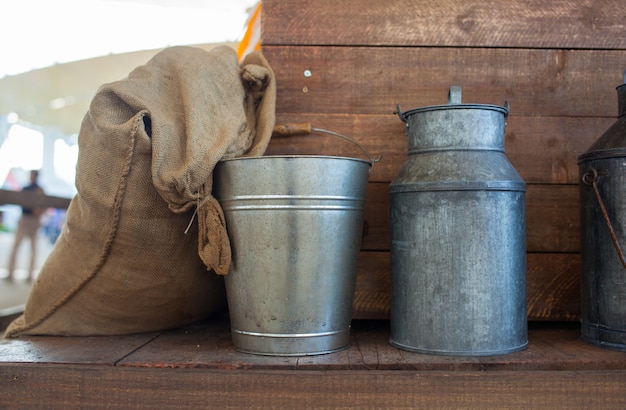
(295, 225)
(458, 235)
(603, 228)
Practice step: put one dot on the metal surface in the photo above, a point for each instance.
(458, 245)
(295, 225)
(602, 187)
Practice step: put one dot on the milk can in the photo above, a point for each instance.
(458, 240)
(602, 187)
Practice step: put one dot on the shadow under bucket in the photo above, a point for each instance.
(295, 225)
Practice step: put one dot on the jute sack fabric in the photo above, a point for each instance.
(128, 260)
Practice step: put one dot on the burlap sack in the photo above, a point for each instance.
(147, 149)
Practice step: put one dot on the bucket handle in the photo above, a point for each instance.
(591, 178)
(288, 130)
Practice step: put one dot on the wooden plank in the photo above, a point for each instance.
(545, 150)
(552, 286)
(196, 366)
(542, 149)
(207, 345)
(373, 80)
(552, 218)
(70, 387)
(32, 199)
(477, 23)
(98, 350)
(372, 295)
(377, 222)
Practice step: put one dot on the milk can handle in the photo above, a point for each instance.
(591, 178)
(455, 96)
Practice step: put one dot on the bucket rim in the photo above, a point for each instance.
(296, 156)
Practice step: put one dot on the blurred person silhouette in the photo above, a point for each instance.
(28, 226)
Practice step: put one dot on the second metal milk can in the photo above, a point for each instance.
(458, 235)
(602, 188)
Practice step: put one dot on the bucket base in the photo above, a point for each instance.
(600, 336)
(281, 344)
(459, 352)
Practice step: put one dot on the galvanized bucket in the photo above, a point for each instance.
(295, 225)
(458, 237)
(603, 233)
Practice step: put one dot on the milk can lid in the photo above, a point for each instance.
(454, 102)
(611, 144)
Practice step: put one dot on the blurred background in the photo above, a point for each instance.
(55, 55)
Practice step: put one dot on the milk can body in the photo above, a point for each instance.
(602, 187)
(458, 240)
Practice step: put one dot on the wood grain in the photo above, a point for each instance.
(196, 367)
(553, 286)
(562, 24)
(77, 387)
(208, 345)
(544, 150)
(374, 80)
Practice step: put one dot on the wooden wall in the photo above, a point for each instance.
(557, 63)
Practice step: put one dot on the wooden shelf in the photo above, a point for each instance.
(197, 367)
